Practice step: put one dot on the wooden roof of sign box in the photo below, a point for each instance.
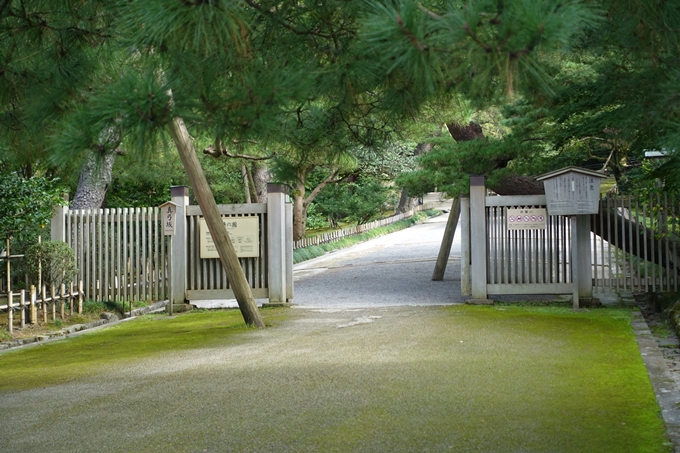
(572, 191)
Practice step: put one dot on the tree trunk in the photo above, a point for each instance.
(623, 232)
(94, 180)
(447, 241)
(206, 201)
(299, 210)
(261, 176)
(406, 202)
(518, 185)
(246, 185)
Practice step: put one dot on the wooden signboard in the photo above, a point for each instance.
(244, 233)
(572, 191)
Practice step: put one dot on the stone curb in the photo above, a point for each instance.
(667, 393)
(70, 330)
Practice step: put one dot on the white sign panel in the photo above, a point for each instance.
(527, 219)
(244, 233)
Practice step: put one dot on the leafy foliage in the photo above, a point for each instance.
(52, 262)
(357, 202)
(27, 204)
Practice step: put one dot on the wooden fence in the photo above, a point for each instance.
(32, 303)
(121, 254)
(635, 243)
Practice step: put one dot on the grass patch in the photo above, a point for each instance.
(92, 352)
(314, 251)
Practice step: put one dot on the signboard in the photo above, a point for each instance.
(526, 219)
(169, 217)
(244, 233)
(572, 191)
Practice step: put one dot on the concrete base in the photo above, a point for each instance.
(180, 308)
(592, 302)
(479, 302)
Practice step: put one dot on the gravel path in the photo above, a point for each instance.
(392, 270)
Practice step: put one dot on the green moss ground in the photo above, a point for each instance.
(461, 378)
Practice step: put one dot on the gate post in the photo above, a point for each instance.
(465, 289)
(289, 250)
(478, 252)
(584, 264)
(178, 254)
(58, 223)
(277, 195)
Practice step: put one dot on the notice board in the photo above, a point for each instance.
(244, 233)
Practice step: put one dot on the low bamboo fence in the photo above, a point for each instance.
(29, 304)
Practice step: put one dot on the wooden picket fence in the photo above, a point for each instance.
(32, 303)
(121, 254)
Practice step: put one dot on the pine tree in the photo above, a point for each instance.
(219, 70)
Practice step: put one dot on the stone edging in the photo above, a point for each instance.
(107, 318)
(667, 394)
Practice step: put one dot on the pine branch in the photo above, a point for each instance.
(474, 37)
(287, 25)
(220, 151)
(410, 35)
(330, 179)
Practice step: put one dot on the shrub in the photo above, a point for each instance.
(52, 262)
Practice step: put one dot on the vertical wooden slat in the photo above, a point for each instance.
(609, 245)
(674, 235)
(638, 285)
(125, 244)
(652, 248)
(106, 246)
(81, 241)
(623, 260)
(143, 270)
(666, 235)
(644, 242)
(22, 307)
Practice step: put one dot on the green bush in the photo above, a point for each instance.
(52, 262)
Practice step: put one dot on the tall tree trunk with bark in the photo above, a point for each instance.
(206, 200)
(94, 181)
(301, 200)
(261, 176)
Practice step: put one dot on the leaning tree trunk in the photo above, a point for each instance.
(94, 180)
(206, 201)
(615, 225)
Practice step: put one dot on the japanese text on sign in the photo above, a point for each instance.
(244, 233)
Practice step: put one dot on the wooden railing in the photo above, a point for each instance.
(29, 304)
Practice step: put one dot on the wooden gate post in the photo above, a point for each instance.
(289, 251)
(277, 196)
(465, 288)
(58, 223)
(178, 253)
(478, 239)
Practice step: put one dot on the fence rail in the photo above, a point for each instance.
(31, 303)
